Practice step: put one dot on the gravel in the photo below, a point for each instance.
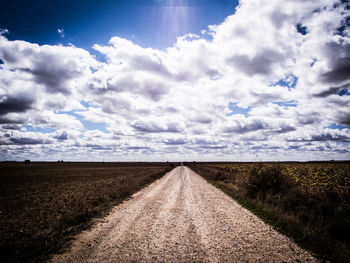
(182, 218)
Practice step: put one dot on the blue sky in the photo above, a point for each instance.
(162, 80)
(149, 23)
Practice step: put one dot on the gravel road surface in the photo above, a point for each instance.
(182, 218)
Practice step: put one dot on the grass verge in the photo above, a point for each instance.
(307, 202)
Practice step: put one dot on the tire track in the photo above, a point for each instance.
(182, 218)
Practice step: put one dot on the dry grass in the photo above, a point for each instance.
(42, 205)
(310, 202)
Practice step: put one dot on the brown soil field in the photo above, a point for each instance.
(43, 205)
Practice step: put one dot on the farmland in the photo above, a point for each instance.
(309, 202)
(182, 218)
(42, 205)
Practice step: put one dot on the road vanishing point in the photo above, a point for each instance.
(182, 218)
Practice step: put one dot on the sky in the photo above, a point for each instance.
(175, 80)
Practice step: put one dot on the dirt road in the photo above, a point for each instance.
(182, 218)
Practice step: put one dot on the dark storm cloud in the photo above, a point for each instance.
(264, 147)
(340, 71)
(204, 141)
(284, 129)
(246, 127)
(306, 119)
(11, 120)
(294, 147)
(326, 136)
(62, 136)
(260, 64)
(345, 119)
(26, 140)
(339, 57)
(333, 90)
(175, 141)
(11, 126)
(151, 127)
(213, 147)
(330, 137)
(326, 93)
(50, 66)
(8, 56)
(14, 104)
(51, 72)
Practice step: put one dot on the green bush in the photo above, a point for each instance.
(266, 179)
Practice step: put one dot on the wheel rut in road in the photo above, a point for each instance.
(182, 218)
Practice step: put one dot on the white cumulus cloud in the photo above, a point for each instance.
(283, 64)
